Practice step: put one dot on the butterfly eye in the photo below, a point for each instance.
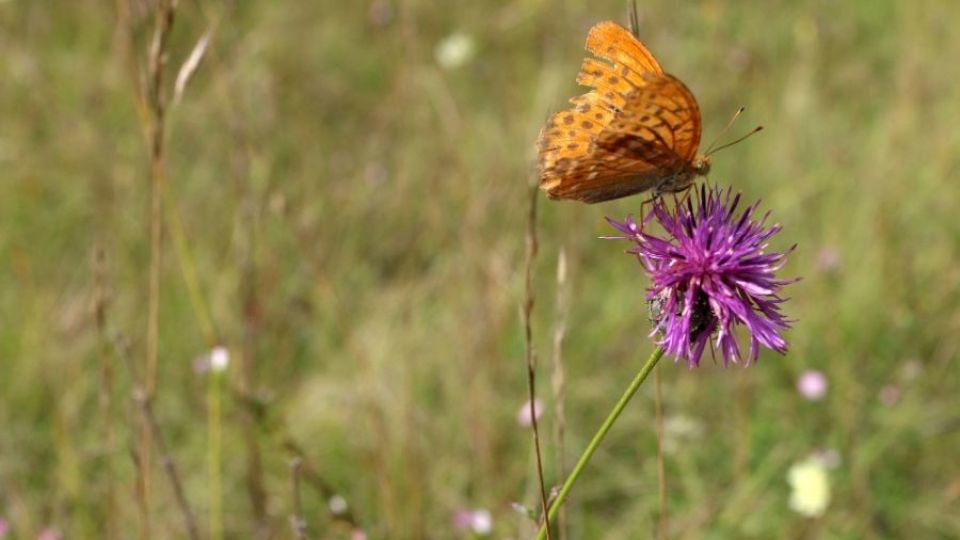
(702, 166)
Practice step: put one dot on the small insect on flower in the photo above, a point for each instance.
(710, 274)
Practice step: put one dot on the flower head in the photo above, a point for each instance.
(812, 384)
(709, 274)
(455, 50)
(477, 520)
(523, 415)
(810, 487)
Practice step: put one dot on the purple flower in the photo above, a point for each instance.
(709, 274)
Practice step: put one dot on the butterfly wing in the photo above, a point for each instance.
(615, 43)
(659, 121)
(626, 112)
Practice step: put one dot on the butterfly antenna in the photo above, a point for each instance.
(731, 143)
(634, 18)
(725, 129)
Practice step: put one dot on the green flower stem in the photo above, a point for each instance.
(214, 450)
(598, 438)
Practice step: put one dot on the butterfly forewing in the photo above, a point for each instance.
(613, 42)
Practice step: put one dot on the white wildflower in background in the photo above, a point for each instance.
(216, 361)
(454, 50)
(219, 359)
(337, 505)
(482, 522)
(523, 415)
(477, 520)
(810, 487)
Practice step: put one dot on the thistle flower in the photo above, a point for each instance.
(710, 274)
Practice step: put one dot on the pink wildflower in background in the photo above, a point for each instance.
(523, 415)
(812, 384)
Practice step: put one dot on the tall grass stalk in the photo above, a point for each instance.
(166, 458)
(558, 378)
(297, 521)
(214, 450)
(528, 341)
(152, 100)
(106, 391)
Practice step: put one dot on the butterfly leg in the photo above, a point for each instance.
(684, 197)
(643, 206)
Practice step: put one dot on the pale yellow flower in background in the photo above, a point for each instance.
(455, 50)
(810, 485)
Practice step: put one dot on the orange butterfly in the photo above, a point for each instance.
(637, 130)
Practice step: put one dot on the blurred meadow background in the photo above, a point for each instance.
(343, 209)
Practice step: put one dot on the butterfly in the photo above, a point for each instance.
(637, 130)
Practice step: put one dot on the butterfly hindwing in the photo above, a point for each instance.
(664, 115)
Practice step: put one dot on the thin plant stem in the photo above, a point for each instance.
(247, 372)
(215, 382)
(214, 446)
(248, 264)
(153, 96)
(166, 458)
(309, 474)
(558, 378)
(661, 469)
(188, 268)
(106, 390)
(598, 438)
(528, 342)
(170, 467)
(297, 521)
